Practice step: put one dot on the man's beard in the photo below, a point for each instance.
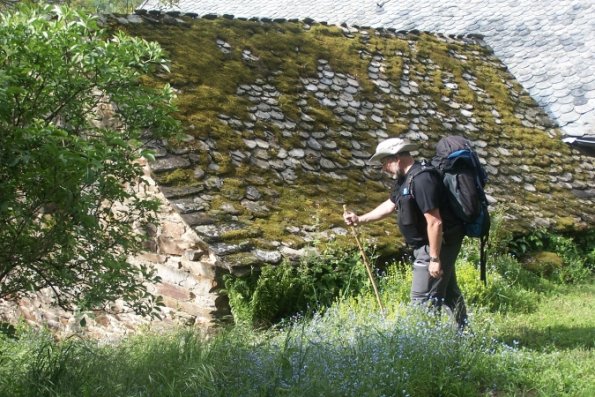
(400, 174)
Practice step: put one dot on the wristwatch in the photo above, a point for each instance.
(434, 259)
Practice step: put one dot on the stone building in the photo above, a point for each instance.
(280, 116)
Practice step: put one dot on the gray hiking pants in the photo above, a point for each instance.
(444, 290)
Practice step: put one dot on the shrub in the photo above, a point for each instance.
(277, 292)
(272, 293)
(63, 174)
(575, 267)
(559, 257)
(348, 351)
(509, 287)
(544, 263)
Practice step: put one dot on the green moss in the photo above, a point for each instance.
(231, 185)
(287, 104)
(242, 260)
(223, 161)
(339, 52)
(565, 223)
(265, 244)
(241, 234)
(396, 129)
(178, 177)
(324, 117)
(544, 262)
(207, 80)
(340, 157)
(542, 187)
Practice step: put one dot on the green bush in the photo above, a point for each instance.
(277, 292)
(345, 352)
(586, 244)
(544, 263)
(576, 252)
(522, 269)
(575, 267)
(63, 174)
(508, 288)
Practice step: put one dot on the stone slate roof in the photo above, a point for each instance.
(549, 46)
(280, 118)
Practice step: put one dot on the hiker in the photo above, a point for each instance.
(426, 222)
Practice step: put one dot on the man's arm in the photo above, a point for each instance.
(434, 229)
(382, 211)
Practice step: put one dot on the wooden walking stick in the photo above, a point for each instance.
(366, 263)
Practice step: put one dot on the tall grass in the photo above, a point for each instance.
(351, 350)
(405, 354)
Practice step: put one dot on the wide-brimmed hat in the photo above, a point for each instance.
(391, 147)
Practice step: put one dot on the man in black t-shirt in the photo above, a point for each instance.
(426, 222)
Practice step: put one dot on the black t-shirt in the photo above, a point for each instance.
(415, 194)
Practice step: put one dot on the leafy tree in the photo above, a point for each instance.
(93, 6)
(103, 6)
(63, 174)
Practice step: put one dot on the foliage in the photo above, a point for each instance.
(576, 254)
(91, 6)
(567, 258)
(395, 282)
(524, 244)
(277, 292)
(509, 288)
(528, 336)
(105, 6)
(65, 176)
(586, 244)
(512, 285)
(351, 350)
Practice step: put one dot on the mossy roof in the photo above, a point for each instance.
(279, 117)
(549, 45)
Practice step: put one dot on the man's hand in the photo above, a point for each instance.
(350, 218)
(435, 269)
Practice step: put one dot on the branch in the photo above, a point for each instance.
(62, 304)
(67, 101)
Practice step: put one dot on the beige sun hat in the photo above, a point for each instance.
(390, 147)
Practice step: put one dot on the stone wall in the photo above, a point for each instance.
(190, 284)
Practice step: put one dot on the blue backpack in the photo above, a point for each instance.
(465, 179)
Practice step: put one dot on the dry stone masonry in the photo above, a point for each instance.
(548, 45)
(280, 150)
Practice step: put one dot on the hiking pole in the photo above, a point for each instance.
(366, 263)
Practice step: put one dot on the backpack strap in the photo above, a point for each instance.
(425, 167)
(483, 240)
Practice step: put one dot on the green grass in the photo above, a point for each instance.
(529, 336)
(351, 350)
(559, 336)
(563, 321)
